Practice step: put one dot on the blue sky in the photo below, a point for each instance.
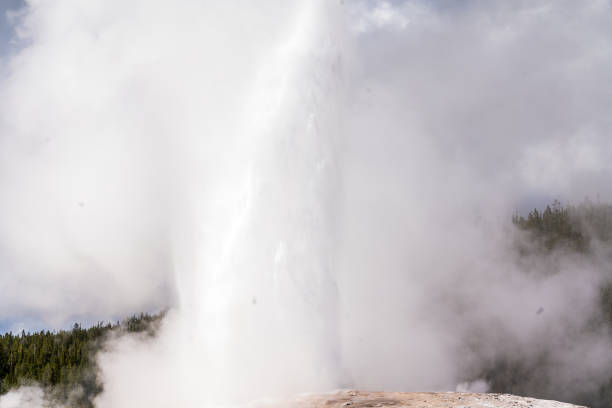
(15, 325)
(6, 30)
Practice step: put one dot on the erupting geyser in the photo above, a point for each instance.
(259, 301)
(317, 190)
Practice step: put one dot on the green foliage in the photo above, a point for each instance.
(571, 227)
(577, 230)
(553, 228)
(62, 361)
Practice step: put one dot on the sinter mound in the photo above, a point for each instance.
(362, 399)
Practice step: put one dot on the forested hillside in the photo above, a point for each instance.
(63, 362)
(583, 231)
(578, 229)
(569, 227)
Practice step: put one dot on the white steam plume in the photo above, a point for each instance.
(318, 189)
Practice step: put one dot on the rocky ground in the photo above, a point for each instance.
(363, 399)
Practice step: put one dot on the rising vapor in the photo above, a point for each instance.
(319, 191)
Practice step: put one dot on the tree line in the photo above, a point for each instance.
(568, 227)
(63, 361)
(574, 229)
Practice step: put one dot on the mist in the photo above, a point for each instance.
(319, 191)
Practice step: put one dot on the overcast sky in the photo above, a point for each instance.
(493, 85)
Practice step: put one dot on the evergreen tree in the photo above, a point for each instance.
(65, 359)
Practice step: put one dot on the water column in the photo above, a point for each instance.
(269, 308)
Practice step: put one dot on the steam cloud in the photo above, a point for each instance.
(319, 191)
